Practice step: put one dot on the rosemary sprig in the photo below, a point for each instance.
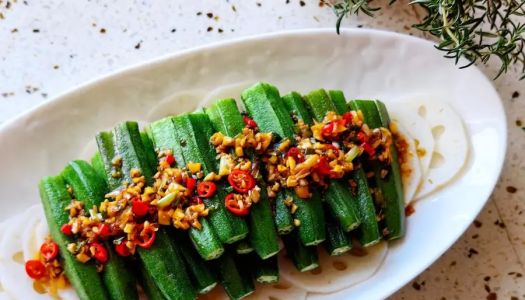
(477, 30)
(352, 7)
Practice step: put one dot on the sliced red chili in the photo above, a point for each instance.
(347, 117)
(368, 149)
(322, 166)
(333, 148)
(139, 208)
(191, 183)
(232, 205)
(146, 237)
(66, 229)
(328, 129)
(241, 181)
(170, 159)
(122, 249)
(206, 189)
(49, 250)
(99, 252)
(340, 123)
(104, 230)
(35, 269)
(296, 154)
(249, 122)
(361, 136)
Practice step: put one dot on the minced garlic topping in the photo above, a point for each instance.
(129, 216)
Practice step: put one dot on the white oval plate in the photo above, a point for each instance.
(363, 63)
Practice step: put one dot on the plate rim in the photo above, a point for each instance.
(62, 97)
(59, 97)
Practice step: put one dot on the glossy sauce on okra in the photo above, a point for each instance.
(250, 161)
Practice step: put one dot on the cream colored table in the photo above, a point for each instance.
(47, 47)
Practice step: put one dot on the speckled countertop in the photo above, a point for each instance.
(47, 47)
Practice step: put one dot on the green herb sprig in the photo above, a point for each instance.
(477, 30)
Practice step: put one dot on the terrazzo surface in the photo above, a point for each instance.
(48, 47)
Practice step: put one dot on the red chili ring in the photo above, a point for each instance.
(328, 129)
(231, 205)
(296, 154)
(49, 250)
(249, 122)
(333, 148)
(241, 181)
(170, 159)
(66, 229)
(206, 189)
(139, 208)
(147, 237)
(104, 230)
(191, 183)
(35, 269)
(122, 249)
(100, 252)
(322, 166)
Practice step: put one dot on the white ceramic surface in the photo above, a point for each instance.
(363, 63)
